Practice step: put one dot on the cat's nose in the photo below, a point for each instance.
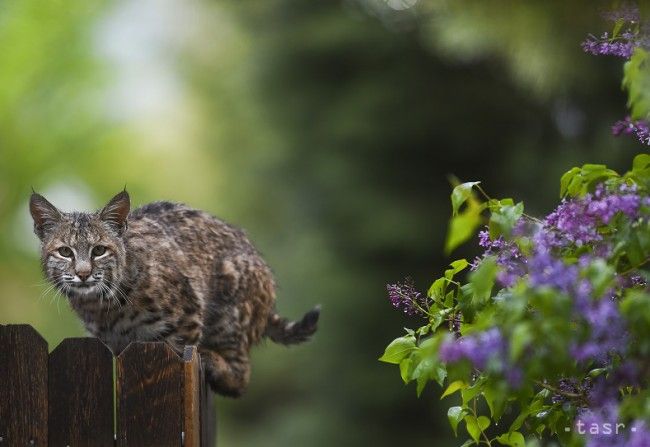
(83, 276)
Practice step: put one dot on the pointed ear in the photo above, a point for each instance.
(45, 215)
(116, 212)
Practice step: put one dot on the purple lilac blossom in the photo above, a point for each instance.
(621, 46)
(404, 296)
(573, 223)
(478, 348)
(545, 270)
(576, 221)
(607, 388)
(638, 128)
(607, 332)
(508, 257)
(639, 434)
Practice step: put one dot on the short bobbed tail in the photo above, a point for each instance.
(287, 332)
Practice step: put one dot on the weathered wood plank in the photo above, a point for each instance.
(208, 414)
(192, 397)
(81, 394)
(149, 396)
(23, 386)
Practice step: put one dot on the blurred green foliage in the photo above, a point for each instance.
(327, 130)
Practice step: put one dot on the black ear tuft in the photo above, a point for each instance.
(45, 215)
(116, 212)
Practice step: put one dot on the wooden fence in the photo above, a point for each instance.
(80, 395)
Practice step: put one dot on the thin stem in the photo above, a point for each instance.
(631, 269)
(475, 414)
(558, 391)
(528, 216)
(478, 186)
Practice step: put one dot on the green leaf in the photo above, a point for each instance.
(462, 227)
(453, 387)
(439, 374)
(456, 266)
(635, 81)
(514, 439)
(437, 318)
(398, 349)
(601, 276)
(437, 289)
(455, 415)
(472, 426)
(482, 279)
(483, 422)
(618, 24)
(521, 338)
(421, 383)
(641, 162)
(566, 180)
(504, 218)
(405, 369)
(422, 373)
(534, 407)
(496, 399)
(597, 372)
(460, 194)
(471, 392)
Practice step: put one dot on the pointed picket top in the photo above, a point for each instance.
(74, 343)
(24, 331)
(23, 382)
(81, 393)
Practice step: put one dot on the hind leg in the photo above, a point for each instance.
(224, 350)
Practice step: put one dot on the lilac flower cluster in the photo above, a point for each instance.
(577, 221)
(482, 350)
(621, 46)
(478, 349)
(546, 270)
(508, 257)
(574, 222)
(638, 128)
(608, 333)
(404, 296)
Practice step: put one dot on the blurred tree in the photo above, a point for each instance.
(327, 130)
(360, 124)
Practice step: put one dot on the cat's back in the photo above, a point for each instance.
(195, 231)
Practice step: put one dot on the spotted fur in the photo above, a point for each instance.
(166, 272)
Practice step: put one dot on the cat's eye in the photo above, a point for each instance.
(66, 252)
(98, 250)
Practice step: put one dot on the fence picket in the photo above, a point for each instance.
(149, 396)
(192, 397)
(208, 414)
(23, 386)
(81, 394)
(162, 399)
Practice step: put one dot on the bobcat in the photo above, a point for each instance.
(166, 272)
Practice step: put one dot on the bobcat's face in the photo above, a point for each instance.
(82, 254)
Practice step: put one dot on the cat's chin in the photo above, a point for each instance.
(84, 291)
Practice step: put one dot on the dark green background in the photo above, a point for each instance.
(328, 130)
